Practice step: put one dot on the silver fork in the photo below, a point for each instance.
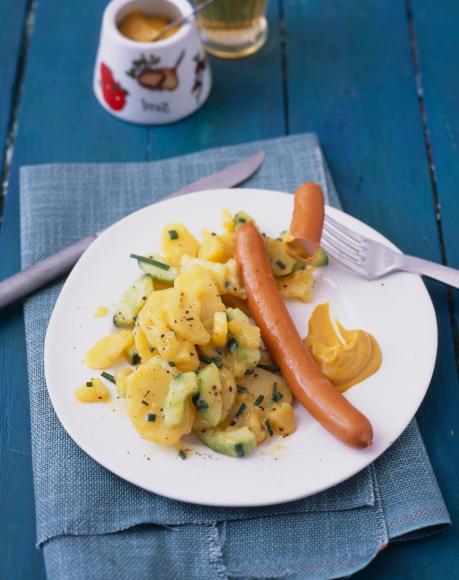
(374, 260)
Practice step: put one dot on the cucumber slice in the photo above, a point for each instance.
(318, 262)
(181, 388)
(209, 400)
(321, 259)
(236, 314)
(242, 360)
(157, 268)
(132, 302)
(234, 442)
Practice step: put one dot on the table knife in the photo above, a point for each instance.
(27, 281)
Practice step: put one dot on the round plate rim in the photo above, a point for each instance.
(334, 212)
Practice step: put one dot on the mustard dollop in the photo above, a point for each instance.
(144, 28)
(346, 357)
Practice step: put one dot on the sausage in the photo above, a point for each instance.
(303, 241)
(305, 379)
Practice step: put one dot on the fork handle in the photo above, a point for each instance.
(438, 272)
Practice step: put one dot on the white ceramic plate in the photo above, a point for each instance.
(397, 310)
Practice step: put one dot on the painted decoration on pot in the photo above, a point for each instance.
(153, 77)
(114, 94)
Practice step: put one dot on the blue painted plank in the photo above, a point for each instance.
(350, 79)
(435, 27)
(60, 120)
(13, 12)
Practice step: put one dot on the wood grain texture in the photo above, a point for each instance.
(13, 12)
(61, 121)
(350, 79)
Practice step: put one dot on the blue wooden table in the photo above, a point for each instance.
(376, 80)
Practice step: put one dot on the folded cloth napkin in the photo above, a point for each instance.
(94, 525)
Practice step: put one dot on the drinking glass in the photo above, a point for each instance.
(233, 28)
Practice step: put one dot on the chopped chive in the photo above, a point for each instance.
(109, 377)
(150, 261)
(151, 348)
(227, 284)
(215, 359)
(171, 363)
(146, 394)
(89, 384)
(241, 410)
(241, 220)
(271, 368)
(151, 417)
(275, 395)
(145, 403)
(217, 362)
(268, 427)
(135, 359)
(199, 403)
(173, 235)
(239, 448)
(134, 318)
(232, 343)
(189, 318)
(280, 265)
(259, 400)
(182, 454)
(241, 389)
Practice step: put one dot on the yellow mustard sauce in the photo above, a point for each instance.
(101, 311)
(346, 357)
(143, 28)
(93, 391)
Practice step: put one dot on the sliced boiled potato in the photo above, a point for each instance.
(225, 276)
(282, 418)
(177, 241)
(213, 248)
(121, 381)
(147, 389)
(109, 349)
(198, 283)
(244, 332)
(183, 314)
(220, 329)
(227, 221)
(297, 285)
(142, 346)
(93, 391)
(271, 387)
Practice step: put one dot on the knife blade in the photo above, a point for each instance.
(27, 281)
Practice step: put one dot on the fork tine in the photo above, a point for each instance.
(342, 248)
(343, 244)
(329, 221)
(342, 258)
(343, 238)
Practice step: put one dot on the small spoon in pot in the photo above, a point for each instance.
(182, 19)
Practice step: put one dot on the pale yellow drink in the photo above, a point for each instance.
(233, 28)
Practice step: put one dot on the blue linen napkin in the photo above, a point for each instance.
(92, 524)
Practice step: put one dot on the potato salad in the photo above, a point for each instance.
(187, 354)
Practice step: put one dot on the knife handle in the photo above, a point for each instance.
(23, 283)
